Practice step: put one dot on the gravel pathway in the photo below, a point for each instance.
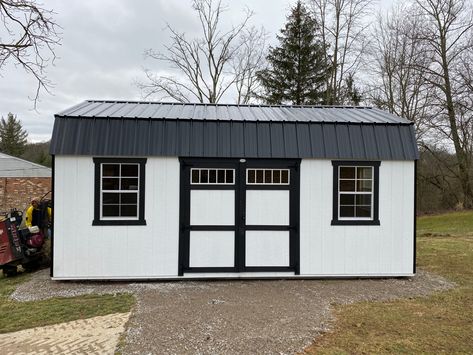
(97, 335)
(233, 317)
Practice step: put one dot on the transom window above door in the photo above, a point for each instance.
(267, 176)
(204, 176)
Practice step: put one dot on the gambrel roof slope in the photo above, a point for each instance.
(131, 128)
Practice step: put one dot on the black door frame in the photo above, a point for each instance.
(240, 227)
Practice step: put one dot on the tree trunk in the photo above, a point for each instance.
(461, 154)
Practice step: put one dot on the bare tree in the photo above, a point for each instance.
(447, 37)
(437, 188)
(343, 32)
(247, 62)
(28, 39)
(207, 66)
(397, 86)
(464, 80)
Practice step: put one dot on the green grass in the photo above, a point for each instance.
(440, 323)
(458, 223)
(21, 315)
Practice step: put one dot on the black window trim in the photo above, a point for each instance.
(141, 195)
(353, 222)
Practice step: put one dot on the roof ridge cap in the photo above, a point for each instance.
(225, 104)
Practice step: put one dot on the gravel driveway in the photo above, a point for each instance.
(233, 317)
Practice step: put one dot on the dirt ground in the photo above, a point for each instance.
(233, 317)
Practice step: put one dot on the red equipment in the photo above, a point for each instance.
(18, 246)
(10, 246)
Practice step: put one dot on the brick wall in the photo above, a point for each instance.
(17, 192)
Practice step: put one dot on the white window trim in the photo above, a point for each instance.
(371, 218)
(208, 175)
(137, 192)
(272, 177)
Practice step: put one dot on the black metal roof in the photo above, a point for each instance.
(113, 128)
(223, 112)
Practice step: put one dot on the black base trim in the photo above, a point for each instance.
(209, 269)
(211, 228)
(119, 223)
(269, 228)
(234, 270)
(269, 269)
(355, 223)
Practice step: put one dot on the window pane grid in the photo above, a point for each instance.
(119, 182)
(267, 176)
(212, 176)
(355, 196)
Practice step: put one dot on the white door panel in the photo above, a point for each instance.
(267, 207)
(267, 248)
(218, 227)
(212, 207)
(212, 249)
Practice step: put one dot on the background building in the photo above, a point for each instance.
(20, 180)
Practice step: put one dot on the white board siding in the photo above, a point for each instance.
(267, 248)
(386, 249)
(212, 249)
(212, 207)
(267, 207)
(85, 251)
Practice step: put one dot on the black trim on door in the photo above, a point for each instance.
(294, 202)
(184, 210)
(240, 227)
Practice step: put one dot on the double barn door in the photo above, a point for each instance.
(239, 216)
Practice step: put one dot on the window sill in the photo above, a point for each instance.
(119, 223)
(336, 222)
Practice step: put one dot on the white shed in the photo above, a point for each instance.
(148, 190)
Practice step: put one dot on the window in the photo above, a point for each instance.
(119, 191)
(355, 195)
(267, 176)
(212, 176)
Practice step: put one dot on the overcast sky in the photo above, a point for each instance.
(102, 52)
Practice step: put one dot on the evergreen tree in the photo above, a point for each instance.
(351, 95)
(297, 69)
(12, 136)
(38, 153)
